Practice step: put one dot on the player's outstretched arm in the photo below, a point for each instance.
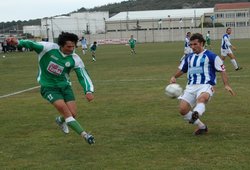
(233, 47)
(176, 75)
(226, 84)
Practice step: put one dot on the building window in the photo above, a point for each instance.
(241, 24)
(230, 15)
(230, 24)
(220, 15)
(240, 14)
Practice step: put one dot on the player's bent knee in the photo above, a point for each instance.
(183, 111)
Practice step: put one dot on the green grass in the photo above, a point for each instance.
(135, 125)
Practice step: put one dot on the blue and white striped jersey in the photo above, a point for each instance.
(187, 42)
(201, 68)
(225, 41)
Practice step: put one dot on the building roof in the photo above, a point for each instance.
(230, 6)
(161, 14)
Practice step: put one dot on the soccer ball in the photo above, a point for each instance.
(173, 90)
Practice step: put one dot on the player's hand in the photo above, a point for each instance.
(172, 80)
(12, 41)
(89, 96)
(230, 90)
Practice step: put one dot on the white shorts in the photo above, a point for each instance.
(192, 92)
(84, 47)
(224, 52)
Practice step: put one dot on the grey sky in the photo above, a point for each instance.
(14, 10)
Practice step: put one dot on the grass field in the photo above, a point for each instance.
(135, 125)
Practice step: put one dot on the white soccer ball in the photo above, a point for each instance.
(3, 56)
(173, 90)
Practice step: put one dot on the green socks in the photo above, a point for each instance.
(73, 124)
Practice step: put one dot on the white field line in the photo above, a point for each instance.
(122, 80)
(18, 92)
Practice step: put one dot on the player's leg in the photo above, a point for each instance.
(223, 54)
(200, 109)
(184, 109)
(52, 95)
(208, 44)
(201, 101)
(188, 100)
(190, 116)
(71, 121)
(223, 58)
(93, 56)
(83, 51)
(60, 120)
(65, 109)
(233, 61)
(204, 95)
(132, 49)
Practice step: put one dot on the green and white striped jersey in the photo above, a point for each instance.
(54, 66)
(132, 41)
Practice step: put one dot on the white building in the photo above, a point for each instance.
(156, 19)
(34, 30)
(78, 23)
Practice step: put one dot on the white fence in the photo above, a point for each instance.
(143, 36)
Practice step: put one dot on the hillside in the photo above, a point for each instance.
(139, 5)
(128, 5)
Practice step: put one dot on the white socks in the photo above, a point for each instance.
(188, 116)
(83, 134)
(200, 108)
(200, 124)
(233, 61)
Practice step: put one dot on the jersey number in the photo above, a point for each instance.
(50, 97)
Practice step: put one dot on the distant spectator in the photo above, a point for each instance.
(5, 46)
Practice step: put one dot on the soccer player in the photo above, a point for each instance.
(93, 48)
(132, 43)
(83, 41)
(208, 41)
(201, 67)
(55, 63)
(226, 47)
(187, 48)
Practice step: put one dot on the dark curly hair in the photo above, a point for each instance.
(65, 36)
(199, 37)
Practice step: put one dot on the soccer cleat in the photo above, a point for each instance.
(62, 125)
(89, 139)
(194, 117)
(93, 59)
(201, 131)
(239, 68)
